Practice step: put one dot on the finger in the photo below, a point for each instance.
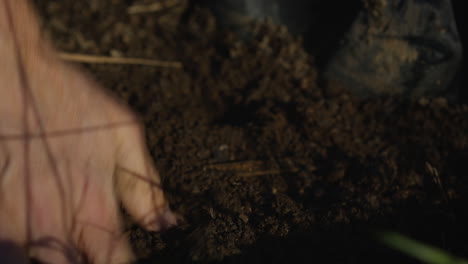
(104, 245)
(96, 230)
(49, 249)
(138, 183)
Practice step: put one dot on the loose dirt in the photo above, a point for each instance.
(265, 162)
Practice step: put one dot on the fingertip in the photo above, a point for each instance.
(161, 220)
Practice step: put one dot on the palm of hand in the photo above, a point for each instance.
(68, 153)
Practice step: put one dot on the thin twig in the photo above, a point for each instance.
(83, 58)
(245, 165)
(436, 177)
(155, 7)
(260, 173)
(66, 132)
(248, 168)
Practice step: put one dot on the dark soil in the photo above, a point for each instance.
(264, 163)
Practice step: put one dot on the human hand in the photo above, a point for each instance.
(69, 152)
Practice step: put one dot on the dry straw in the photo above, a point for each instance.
(83, 58)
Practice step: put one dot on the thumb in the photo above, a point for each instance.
(138, 184)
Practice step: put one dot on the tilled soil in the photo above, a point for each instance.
(264, 162)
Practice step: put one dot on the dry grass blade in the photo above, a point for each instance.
(155, 7)
(248, 168)
(436, 177)
(247, 165)
(83, 58)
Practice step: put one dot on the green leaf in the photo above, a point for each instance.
(418, 250)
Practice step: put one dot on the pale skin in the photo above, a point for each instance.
(70, 153)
